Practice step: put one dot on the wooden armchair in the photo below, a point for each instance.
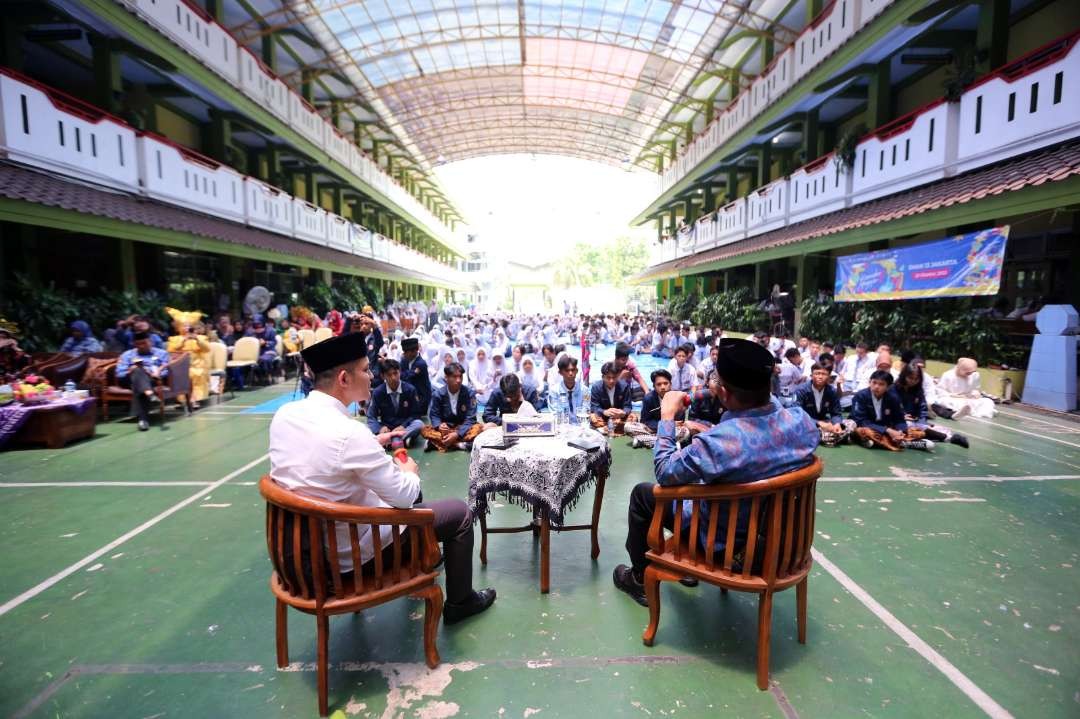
(176, 383)
(302, 540)
(776, 554)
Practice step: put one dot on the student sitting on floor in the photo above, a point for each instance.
(509, 397)
(609, 400)
(452, 413)
(644, 432)
(684, 376)
(628, 371)
(394, 408)
(908, 389)
(879, 418)
(792, 375)
(820, 400)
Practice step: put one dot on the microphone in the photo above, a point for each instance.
(696, 395)
(397, 448)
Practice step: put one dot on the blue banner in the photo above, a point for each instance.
(960, 266)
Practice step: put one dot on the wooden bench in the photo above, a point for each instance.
(302, 540)
(775, 556)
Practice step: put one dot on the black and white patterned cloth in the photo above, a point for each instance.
(535, 473)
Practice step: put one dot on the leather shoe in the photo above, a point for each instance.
(624, 579)
(454, 613)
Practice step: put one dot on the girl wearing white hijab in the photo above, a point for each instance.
(501, 344)
(480, 370)
(438, 378)
(499, 369)
(463, 360)
(530, 374)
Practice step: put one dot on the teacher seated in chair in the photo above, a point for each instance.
(319, 451)
(756, 438)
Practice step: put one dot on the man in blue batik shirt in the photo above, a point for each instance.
(138, 369)
(755, 438)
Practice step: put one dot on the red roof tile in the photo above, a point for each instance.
(21, 183)
(1051, 165)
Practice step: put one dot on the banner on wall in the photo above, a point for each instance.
(960, 266)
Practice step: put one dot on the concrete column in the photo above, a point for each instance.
(219, 136)
(127, 266)
(879, 98)
(810, 136)
(107, 81)
(801, 280)
(764, 169)
(992, 34)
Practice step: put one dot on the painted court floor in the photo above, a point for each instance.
(134, 584)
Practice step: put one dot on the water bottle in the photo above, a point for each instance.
(583, 415)
(69, 388)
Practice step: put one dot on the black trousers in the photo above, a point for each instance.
(454, 528)
(138, 381)
(639, 517)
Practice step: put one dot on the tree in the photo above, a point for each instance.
(611, 263)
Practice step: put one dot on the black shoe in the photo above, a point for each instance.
(959, 439)
(428, 446)
(454, 613)
(688, 582)
(624, 579)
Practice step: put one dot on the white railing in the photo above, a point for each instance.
(57, 132)
(1029, 103)
(267, 207)
(731, 219)
(768, 206)
(199, 34)
(829, 30)
(181, 176)
(912, 150)
(47, 129)
(705, 231)
(836, 23)
(263, 86)
(818, 188)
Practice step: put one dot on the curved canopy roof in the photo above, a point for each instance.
(589, 78)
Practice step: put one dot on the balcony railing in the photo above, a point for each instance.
(47, 129)
(1026, 105)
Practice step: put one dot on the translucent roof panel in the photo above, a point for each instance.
(592, 78)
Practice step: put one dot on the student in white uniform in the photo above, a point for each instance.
(318, 450)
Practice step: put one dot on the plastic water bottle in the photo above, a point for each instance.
(583, 415)
(69, 388)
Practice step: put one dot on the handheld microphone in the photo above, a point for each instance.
(397, 449)
(696, 395)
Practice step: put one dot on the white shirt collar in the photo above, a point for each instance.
(326, 400)
(877, 405)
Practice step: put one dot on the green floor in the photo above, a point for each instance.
(150, 601)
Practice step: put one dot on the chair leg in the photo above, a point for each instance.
(282, 634)
(323, 623)
(653, 576)
(800, 602)
(433, 598)
(764, 632)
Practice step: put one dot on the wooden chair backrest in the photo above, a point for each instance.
(323, 333)
(178, 381)
(246, 349)
(219, 356)
(300, 528)
(307, 338)
(780, 531)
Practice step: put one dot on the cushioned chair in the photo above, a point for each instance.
(323, 333)
(245, 356)
(775, 556)
(301, 535)
(219, 360)
(58, 373)
(307, 338)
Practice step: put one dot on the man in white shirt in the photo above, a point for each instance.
(684, 376)
(318, 450)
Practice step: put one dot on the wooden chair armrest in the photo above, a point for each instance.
(341, 512)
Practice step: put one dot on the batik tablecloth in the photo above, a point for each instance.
(537, 472)
(15, 415)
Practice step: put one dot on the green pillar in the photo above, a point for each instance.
(879, 98)
(732, 184)
(269, 54)
(107, 81)
(11, 39)
(708, 198)
(127, 266)
(219, 136)
(801, 280)
(810, 138)
(992, 34)
(671, 287)
(764, 168)
(672, 220)
(727, 280)
(311, 186)
(757, 281)
(813, 9)
(337, 200)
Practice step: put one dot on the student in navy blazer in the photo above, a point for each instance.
(452, 413)
(394, 407)
(414, 370)
(820, 400)
(610, 398)
(508, 397)
(879, 417)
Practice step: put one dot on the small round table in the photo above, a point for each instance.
(543, 474)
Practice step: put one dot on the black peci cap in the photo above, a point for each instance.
(334, 352)
(744, 364)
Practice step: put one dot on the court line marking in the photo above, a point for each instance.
(1075, 427)
(64, 573)
(931, 479)
(24, 485)
(1024, 431)
(943, 665)
(1021, 449)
